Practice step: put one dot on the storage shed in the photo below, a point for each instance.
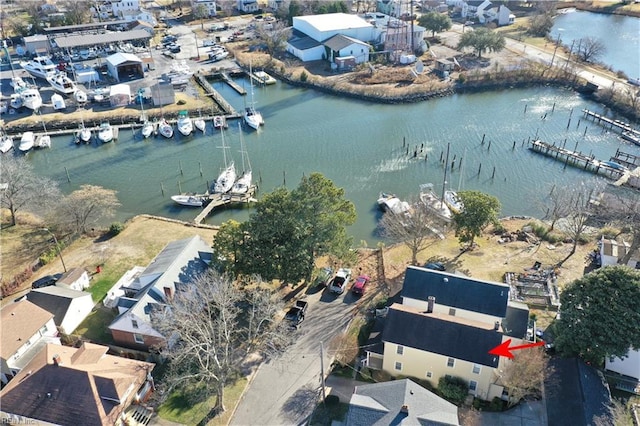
(124, 66)
(120, 95)
(163, 94)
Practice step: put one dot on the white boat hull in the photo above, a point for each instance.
(165, 130)
(253, 119)
(434, 204)
(185, 127)
(26, 141)
(81, 97)
(188, 200)
(225, 180)
(85, 135)
(200, 124)
(105, 133)
(242, 185)
(62, 83)
(147, 129)
(6, 144)
(31, 99)
(453, 202)
(43, 141)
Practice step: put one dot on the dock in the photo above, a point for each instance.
(214, 95)
(612, 124)
(235, 86)
(219, 200)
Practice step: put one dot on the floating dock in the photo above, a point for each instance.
(612, 124)
(219, 200)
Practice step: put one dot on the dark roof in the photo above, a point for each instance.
(303, 42)
(65, 28)
(339, 41)
(517, 319)
(56, 300)
(374, 342)
(99, 39)
(456, 291)
(381, 403)
(445, 335)
(575, 391)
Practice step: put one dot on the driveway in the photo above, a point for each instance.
(285, 391)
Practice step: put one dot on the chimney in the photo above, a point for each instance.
(496, 326)
(168, 293)
(57, 360)
(405, 409)
(431, 301)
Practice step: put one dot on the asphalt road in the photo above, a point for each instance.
(285, 391)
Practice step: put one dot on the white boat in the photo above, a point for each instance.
(31, 99)
(62, 83)
(26, 141)
(105, 132)
(264, 78)
(227, 176)
(58, 102)
(631, 137)
(188, 200)
(40, 66)
(184, 124)
(147, 129)
(6, 143)
(219, 122)
(452, 201)
(429, 198)
(42, 141)
(165, 129)
(391, 203)
(18, 84)
(81, 96)
(84, 134)
(200, 124)
(243, 184)
(252, 117)
(16, 101)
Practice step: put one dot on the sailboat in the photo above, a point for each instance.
(165, 128)
(227, 176)
(105, 132)
(252, 117)
(200, 123)
(44, 140)
(242, 185)
(84, 134)
(147, 126)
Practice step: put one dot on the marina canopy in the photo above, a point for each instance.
(80, 27)
(98, 39)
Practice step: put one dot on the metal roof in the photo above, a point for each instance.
(97, 39)
(81, 26)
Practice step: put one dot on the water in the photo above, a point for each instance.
(620, 35)
(357, 145)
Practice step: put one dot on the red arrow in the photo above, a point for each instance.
(503, 349)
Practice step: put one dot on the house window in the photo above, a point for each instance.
(450, 362)
(44, 329)
(138, 338)
(452, 312)
(399, 350)
(398, 366)
(476, 369)
(134, 323)
(505, 393)
(473, 385)
(429, 374)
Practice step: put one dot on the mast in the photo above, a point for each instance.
(444, 181)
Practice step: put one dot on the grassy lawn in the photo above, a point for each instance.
(179, 409)
(94, 327)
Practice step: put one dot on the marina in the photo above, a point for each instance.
(611, 124)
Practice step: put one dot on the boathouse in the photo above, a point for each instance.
(120, 95)
(124, 66)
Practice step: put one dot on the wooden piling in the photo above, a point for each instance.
(525, 108)
(489, 146)
(200, 166)
(479, 169)
(494, 172)
(179, 187)
(514, 146)
(553, 108)
(482, 142)
(180, 164)
(162, 188)
(67, 172)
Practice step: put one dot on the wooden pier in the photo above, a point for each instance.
(215, 96)
(235, 86)
(218, 200)
(611, 124)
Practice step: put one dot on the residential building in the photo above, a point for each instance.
(475, 9)
(139, 15)
(209, 5)
(277, 4)
(142, 25)
(68, 386)
(120, 6)
(624, 373)
(392, 7)
(36, 44)
(455, 294)
(247, 6)
(340, 46)
(175, 266)
(69, 307)
(611, 251)
(431, 345)
(26, 328)
(75, 279)
(398, 402)
(501, 15)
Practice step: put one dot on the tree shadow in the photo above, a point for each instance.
(301, 403)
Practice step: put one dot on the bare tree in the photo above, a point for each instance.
(416, 229)
(23, 189)
(273, 37)
(558, 204)
(213, 326)
(77, 12)
(575, 223)
(524, 375)
(87, 207)
(590, 49)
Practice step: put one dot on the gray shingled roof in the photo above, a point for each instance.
(339, 42)
(381, 404)
(433, 333)
(456, 291)
(303, 42)
(56, 300)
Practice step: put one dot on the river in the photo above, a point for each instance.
(357, 145)
(619, 34)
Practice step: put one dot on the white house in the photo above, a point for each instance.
(501, 15)
(209, 5)
(69, 307)
(139, 15)
(276, 4)
(340, 46)
(629, 370)
(391, 7)
(117, 7)
(26, 328)
(611, 251)
(248, 6)
(476, 9)
(75, 279)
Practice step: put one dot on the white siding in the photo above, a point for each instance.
(443, 309)
(629, 366)
(78, 310)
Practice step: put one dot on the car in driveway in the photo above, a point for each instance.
(360, 285)
(340, 281)
(46, 281)
(209, 43)
(436, 266)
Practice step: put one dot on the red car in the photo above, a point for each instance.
(360, 285)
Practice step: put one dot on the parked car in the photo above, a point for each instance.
(295, 315)
(360, 285)
(323, 277)
(339, 282)
(436, 266)
(209, 43)
(46, 281)
(174, 48)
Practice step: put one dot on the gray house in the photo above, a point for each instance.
(69, 307)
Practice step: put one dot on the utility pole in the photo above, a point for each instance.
(555, 50)
(55, 240)
(324, 393)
